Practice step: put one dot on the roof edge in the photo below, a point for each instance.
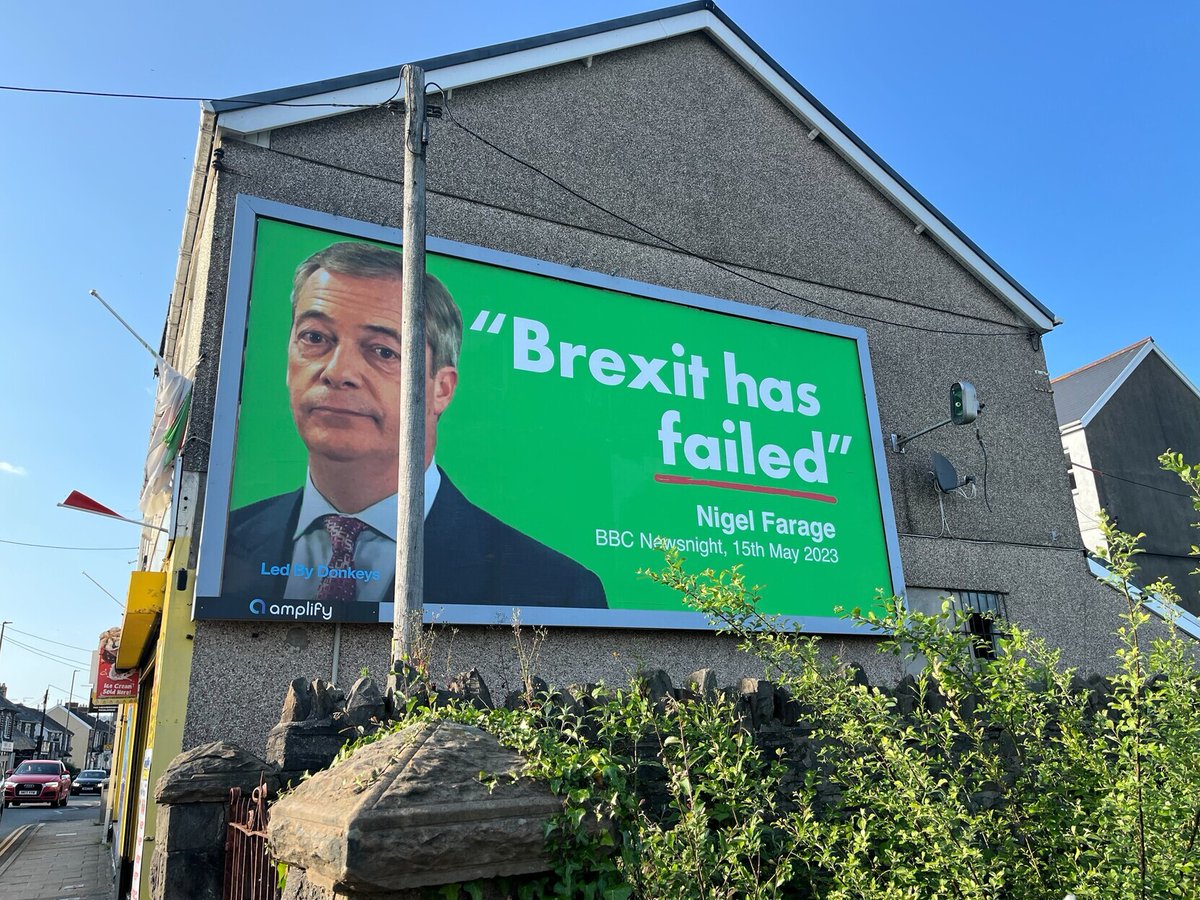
(1134, 362)
(879, 161)
(1148, 346)
(324, 86)
(1038, 315)
(1096, 362)
(72, 714)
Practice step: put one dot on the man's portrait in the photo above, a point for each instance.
(333, 537)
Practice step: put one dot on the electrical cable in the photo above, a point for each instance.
(723, 265)
(57, 547)
(709, 259)
(248, 104)
(48, 641)
(945, 530)
(1131, 481)
(1027, 544)
(728, 269)
(979, 437)
(50, 656)
(399, 85)
(1158, 553)
(53, 657)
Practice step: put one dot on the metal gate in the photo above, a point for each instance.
(249, 869)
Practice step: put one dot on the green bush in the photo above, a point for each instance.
(999, 779)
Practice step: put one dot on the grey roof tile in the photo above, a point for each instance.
(1076, 392)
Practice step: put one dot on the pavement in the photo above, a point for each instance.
(56, 861)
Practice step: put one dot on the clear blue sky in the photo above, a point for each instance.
(1060, 137)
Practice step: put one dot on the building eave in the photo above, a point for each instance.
(254, 114)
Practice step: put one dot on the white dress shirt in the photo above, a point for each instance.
(374, 550)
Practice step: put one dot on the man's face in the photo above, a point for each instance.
(344, 370)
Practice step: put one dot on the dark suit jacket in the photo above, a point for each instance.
(470, 557)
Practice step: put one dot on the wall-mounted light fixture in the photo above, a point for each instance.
(964, 409)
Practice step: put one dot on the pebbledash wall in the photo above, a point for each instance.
(682, 138)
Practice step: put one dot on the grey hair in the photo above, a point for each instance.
(443, 319)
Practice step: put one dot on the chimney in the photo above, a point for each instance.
(3, 691)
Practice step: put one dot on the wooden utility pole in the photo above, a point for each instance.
(410, 508)
(42, 730)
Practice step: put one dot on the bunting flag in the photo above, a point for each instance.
(171, 409)
(84, 503)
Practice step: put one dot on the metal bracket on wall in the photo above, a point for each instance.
(432, 110)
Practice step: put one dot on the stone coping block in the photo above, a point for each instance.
(206, 773)
(411, 810)
(309, 746)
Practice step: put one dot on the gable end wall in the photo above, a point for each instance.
(1153, 411)
(681, 140)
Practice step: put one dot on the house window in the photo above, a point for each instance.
(979, 612)
(1070, 472)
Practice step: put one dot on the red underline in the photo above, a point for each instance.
(753, 488)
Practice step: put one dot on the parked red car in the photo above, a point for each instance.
(38, 781)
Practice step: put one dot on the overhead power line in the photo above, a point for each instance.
(74, 663)
(1020, 332)
(662, 239)
(709, 259)
(720, 264)
(116, 95)
(815, 282)
(1151, 487)
(57, 547)
(48, 641)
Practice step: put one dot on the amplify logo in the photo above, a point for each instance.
(313, 611)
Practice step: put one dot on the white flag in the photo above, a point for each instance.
(170, 422)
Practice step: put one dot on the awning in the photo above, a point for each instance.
(143, 611)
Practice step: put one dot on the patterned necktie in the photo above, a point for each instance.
(343, 531)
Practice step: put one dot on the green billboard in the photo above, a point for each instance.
(577, 424)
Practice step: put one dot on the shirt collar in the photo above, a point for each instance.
(381, 516)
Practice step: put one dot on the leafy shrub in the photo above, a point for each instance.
(1008, 778)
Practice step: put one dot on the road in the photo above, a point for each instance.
(19, 821)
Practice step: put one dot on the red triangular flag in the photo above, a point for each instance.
(76, 500)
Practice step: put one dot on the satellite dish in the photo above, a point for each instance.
(944, 472)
